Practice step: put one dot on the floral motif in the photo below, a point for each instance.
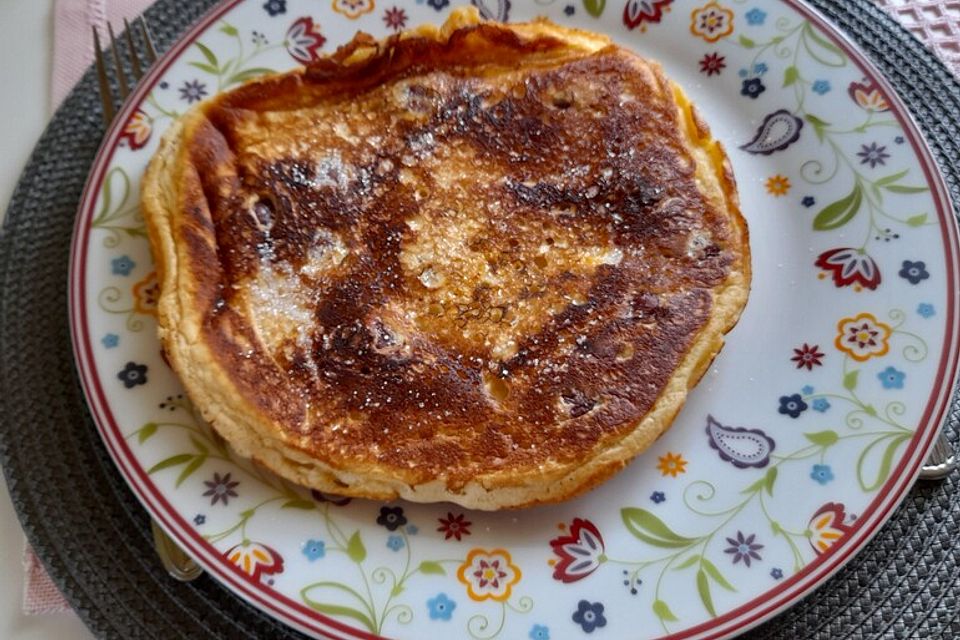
(133, 374)
(712, 64)
(821, 405)
(740, 446)
(199, 519)
(220, 489)
(580, 552)
(671, 465)
(136, 133)
(146, 293)
(304, 40)
(863, 337)
(391, 517)
(110, 340)
(638, 12)
(827, 526)
(711, 22)
(499, 12)
(255, 559)
(850, 266)
(925, 310)
(275, 7)
(914, 272)
(439, 5)
(395, 18)
(808, 357)
(873, 155)
(755, 16)
(792, 405)
(776, 573)
(868, 96)
(821, 87)
(808, 201)
(822, 473)
(539, 632)
(891, 378)
(122, 266)
(314, 549)
(489, 574)
(657, 497)
(193, 91)
(454, 526)
(395, 543)
(744, 548)
(778, 185)
(778, 131)
(441, 607)
(569, 10)
(589, 615)
(752, 88)
(353, 9)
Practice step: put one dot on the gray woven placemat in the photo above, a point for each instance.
(93, 535)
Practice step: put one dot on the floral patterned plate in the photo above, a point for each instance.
(792, 451)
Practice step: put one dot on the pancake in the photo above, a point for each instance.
(480, 263)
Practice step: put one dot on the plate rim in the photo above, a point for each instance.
(737, 620)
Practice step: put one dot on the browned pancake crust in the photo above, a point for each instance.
(495, 250)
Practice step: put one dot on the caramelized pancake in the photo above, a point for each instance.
(482, 263)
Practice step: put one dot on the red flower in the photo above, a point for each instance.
(137, 130)
(255, 559)
(712, 64)
(581, 552)
(827, 526)
(807, 356)
(636, 12)
(395, 18)
(850, 267)
(454, 526)
(868, 96)
(304, 40)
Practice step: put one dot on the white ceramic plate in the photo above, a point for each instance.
(793, 450)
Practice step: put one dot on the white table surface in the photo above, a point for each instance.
(26, 36)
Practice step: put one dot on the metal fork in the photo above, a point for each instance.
(174, 559)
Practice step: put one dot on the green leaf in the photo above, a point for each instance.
(918, 220)
(756, 486)
(747, 42)
(229, 29)
(202, 448)
(211, 58)
(203, 66)
(850, 380)
(714, 573)
(340, 610)
(248, 74)
(870, 410)
(188, 470)
(172, 461)
(686, 564)
(810, 35)
(663, 611)
(297, 503)
(355, 549)
(818, 125)
(836, 214)
(902, 188)
(885, 462)
(397, 590)
(770, 479)
(651, 529)
(594, 7)
(429, 567)
(891, 178)
(823, 438)
(146, 431)
(790, 76)
(703, 587)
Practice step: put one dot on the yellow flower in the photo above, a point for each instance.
(489, 574)
(863, 337)
(353, 9)
(672, 464)
(711, 22)
(778, 185)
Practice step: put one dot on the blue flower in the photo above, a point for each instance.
(199, 519)
(914, 272)
(822, 473)
(755, 16)
(792, 405)
(821, 87)
(275, 7)
(925, 309)
(133, 374)
(122, 266)
(589, 615)
(314, 549)
(821, 405)
(760, 68)
(899, 140)
(539, 632)
(752, 88)
(657, 497)
(776, 573)
(395, 542)
(439, 5)
(808, 201)
(890, 378)
(412, 530)
(807, 390)
(742, 73)
(110, 340)
(441, 607)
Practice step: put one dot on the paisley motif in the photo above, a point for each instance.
(636, 12)
(779, 130)
(493, 9)
(740, 446)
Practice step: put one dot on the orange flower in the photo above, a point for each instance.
(672, 464)
(711, 22)
(489, 574)
(145, 295)
(778, 185)
(353, 9)
(863, 337)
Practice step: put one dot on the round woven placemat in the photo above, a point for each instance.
(94, 537)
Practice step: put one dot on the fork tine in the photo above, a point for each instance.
(134, 55)
(121, 76)
(106, 97)
(145, 33)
